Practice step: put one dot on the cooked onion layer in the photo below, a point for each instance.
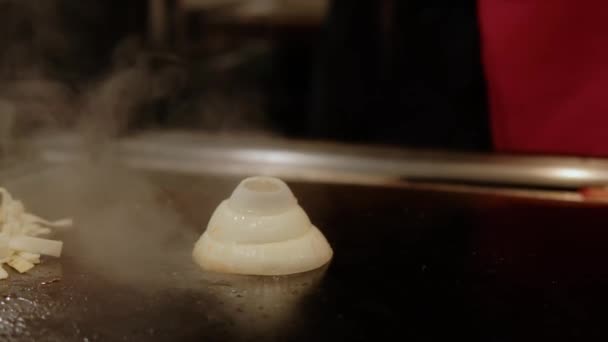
(261, 230)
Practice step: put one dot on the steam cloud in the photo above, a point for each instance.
(124, 228)
(121, 227)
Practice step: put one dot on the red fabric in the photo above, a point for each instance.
(546, 63)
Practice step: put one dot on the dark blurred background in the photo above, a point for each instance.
(397, 72)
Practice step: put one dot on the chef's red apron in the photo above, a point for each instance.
(546, 64)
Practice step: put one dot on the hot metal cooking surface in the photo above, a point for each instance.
(409, 264)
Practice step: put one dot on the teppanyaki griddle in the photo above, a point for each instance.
(409, 264)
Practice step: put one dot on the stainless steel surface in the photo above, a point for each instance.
(326, 162)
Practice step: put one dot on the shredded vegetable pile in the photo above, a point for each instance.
(20, 244)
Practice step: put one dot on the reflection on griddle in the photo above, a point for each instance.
(263, 306)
